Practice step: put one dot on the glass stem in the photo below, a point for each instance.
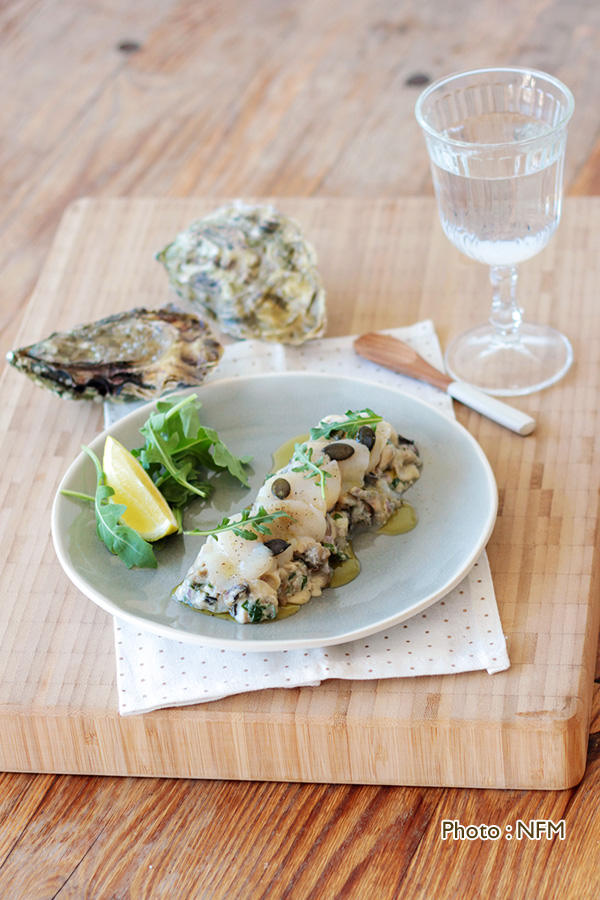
(506, 315)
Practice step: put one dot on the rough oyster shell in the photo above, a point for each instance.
(252, 269)
(135, 355)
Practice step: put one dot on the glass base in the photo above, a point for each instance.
(510, 365)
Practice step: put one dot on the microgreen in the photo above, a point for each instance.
(304, 463)
(248, 526)
(350, 425)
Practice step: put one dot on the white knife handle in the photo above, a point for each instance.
(492, 408)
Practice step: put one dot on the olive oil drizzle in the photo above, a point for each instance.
(283, 454)
(345, 570)
(401, 521)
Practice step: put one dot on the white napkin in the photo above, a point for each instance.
(460, 633)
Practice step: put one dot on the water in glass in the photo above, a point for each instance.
(499, 210)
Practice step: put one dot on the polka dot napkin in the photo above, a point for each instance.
(460, 633)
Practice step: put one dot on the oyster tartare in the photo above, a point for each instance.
(348, 475)
(252, 269)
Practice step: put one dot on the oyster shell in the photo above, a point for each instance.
(252, 269)
(134, 355)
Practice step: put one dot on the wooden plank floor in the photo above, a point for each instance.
(232, 97)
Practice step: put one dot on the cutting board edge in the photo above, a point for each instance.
(81, 209)
(138, 746)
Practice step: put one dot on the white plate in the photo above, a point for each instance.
(455, 500)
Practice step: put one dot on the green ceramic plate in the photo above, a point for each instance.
(455, 500)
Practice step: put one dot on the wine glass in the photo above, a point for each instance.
(496, 142)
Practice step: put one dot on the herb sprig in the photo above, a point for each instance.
(248, 526)
(120, 539)
(303, 457)
(350, 425)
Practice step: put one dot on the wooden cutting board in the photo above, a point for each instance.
(385, 263)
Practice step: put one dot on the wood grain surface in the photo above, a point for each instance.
(263, 97)
(524, 728)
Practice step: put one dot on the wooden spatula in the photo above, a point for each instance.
(388, 351)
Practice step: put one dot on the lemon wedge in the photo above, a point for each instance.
(147, 511)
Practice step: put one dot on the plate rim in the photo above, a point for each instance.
(261, 646)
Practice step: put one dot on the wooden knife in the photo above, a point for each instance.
(391, 353)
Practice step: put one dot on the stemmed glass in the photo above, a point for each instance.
(496, 141)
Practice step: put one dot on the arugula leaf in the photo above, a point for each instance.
(350, 425)
(178, 448)
(162, 452)
(120, 539)
(248, 526)
(223, 458)
(303, 457)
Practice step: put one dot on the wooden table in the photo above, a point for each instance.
(279, 98)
